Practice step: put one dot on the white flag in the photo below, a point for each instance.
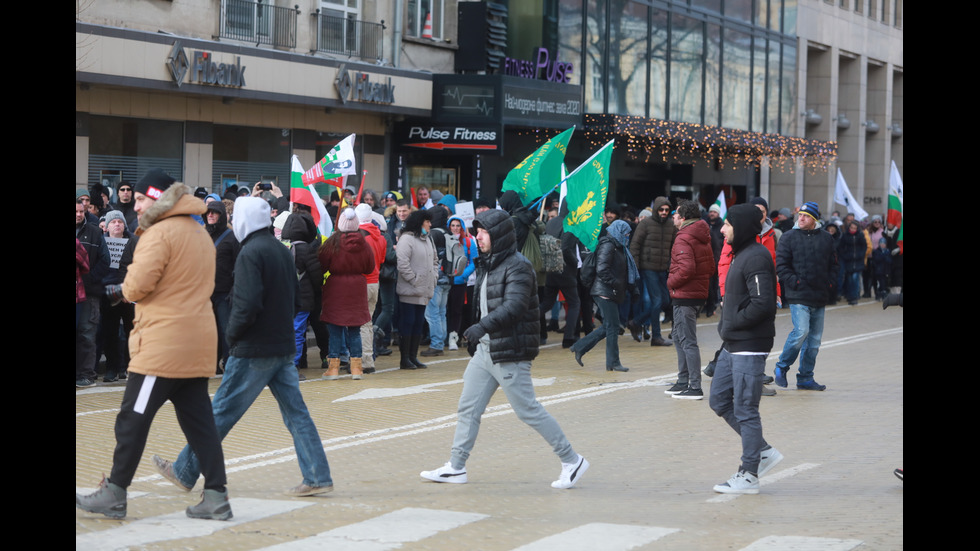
(842, 196)
(720, 201)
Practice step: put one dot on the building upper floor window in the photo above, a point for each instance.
(422, 14)
(347, 9)
(258, 21)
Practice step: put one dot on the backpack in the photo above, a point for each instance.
(456, 260)
(552, 260)
(587, 273)
(452, 257)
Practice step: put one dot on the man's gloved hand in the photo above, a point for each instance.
(114, 294)
(473, 334)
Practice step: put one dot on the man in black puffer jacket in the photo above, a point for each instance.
(503, 341)
(747, 328)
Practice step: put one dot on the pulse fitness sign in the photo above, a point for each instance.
(203, 69)
(543, 68)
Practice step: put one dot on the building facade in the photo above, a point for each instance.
(748, 97)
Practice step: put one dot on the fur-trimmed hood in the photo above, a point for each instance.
(177, 200)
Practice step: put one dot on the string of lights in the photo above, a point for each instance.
(648, 140)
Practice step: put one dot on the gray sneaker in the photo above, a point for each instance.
(109, 500)
(740, 483)
(768, 459)
(166, 469)
(214, 505)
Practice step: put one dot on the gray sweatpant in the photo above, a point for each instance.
(480, 381)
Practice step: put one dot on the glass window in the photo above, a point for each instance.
(772, 88)
(627, 55)
(737, 80)
(130, 147)
(712, 74)
(252, 153)
(788, 92)
(658, 63)
(569, 33)
(758, 122)
(596, 42)
(740, 10)
(686, 68)
(419, 11)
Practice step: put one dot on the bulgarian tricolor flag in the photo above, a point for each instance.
(305, 194)
(896, 205)
(339, 161)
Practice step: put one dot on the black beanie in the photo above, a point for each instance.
(154, 183)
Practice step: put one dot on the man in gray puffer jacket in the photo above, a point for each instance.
(503, 341)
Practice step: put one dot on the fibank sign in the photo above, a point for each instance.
(360, 87)
(203, 69)
(541, 68)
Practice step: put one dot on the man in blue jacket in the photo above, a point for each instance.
(747, 328)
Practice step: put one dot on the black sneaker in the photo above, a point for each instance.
(689, 394)
(678, 387)
(84, 383)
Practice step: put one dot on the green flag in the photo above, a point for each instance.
(537, 174)
(588, 186)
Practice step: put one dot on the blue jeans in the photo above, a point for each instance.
(609, 331)
(735, 393)
(344, 340)
(655, 297)
(435, 315)
(244, 380)
(803, 340)
(852, 286)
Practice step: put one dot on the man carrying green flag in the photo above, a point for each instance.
(540, 171)
(588, 186)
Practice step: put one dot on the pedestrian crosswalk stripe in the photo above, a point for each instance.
(801, 543)
(175, 526)
(599, 535)
(388, 531)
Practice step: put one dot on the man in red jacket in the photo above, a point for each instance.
(691, 265)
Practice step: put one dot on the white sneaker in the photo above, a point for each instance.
(446, 473)
(740, 483)
(571, 473)
(453, 339)
(768, 459)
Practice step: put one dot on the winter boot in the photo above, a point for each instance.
(356, 371)
(109, 500)
(214, 505)
(414, 351)
(404, 350)
(333, 369)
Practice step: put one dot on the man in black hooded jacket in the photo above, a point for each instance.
(747, 327)
(503, 341)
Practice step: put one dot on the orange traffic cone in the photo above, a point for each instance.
(427, 29)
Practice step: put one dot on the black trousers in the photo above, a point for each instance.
(143, 398)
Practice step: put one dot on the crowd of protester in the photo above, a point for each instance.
(390, 275)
